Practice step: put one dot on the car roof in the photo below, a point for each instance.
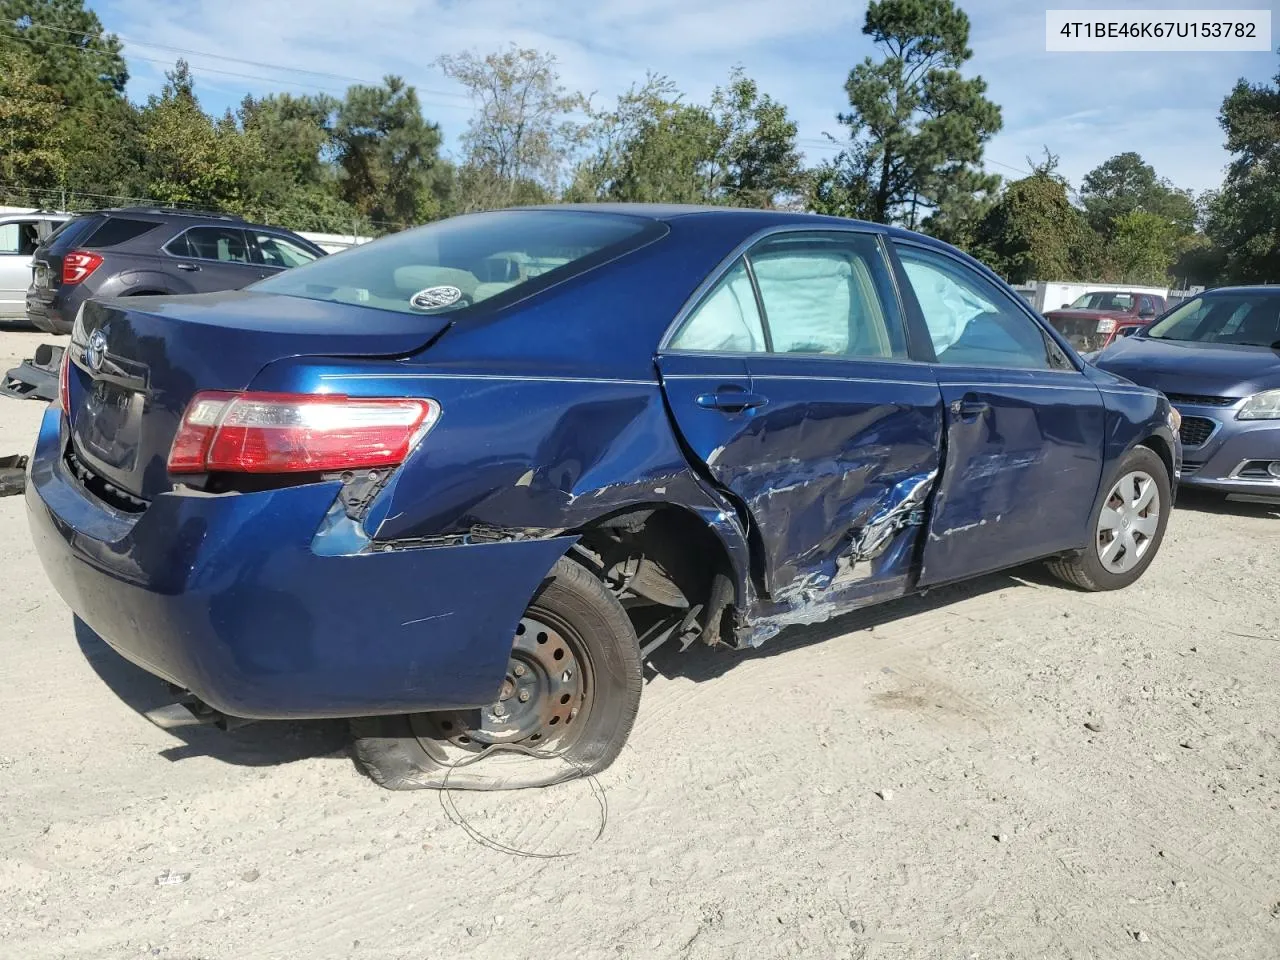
(1265, 289)
(752, 218)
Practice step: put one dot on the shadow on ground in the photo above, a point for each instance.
(700, 662)
(1204, 501)
(257, 745)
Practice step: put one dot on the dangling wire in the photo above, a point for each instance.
(450, 806)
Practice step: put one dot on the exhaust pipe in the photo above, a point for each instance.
(190, 711)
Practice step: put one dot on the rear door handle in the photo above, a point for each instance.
(731, 401)
(970, 407)
(189, 267)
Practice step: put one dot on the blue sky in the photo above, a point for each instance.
(1084, 107)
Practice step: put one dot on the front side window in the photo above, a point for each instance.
(279, 252)
(826, 294)
(211, 243)
(726, 321)
(970, 321)
(451, 264)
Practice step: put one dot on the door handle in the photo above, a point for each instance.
(970, 407)
(189, 267)
(731, 401)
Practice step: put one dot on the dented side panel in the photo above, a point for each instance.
(1023, 463)
(831, 470)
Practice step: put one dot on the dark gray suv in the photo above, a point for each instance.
(141, 250)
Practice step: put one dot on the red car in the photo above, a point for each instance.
(1097, 319)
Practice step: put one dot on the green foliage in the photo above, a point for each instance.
(190, 158)
(523, 131)
(1244, 218)
(654, 148)
(1034, 233)
(1126, 183)
(71, 51)
(31, 138)
(388, 155)
(917, 127)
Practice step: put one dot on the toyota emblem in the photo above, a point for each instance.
(96, 350)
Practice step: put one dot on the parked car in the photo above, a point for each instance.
(1216, 358)
(461, 501)
(1099, 318)
(143, 251)
(20, 235)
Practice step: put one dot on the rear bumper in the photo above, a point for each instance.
(228, 597)
(1216, 463)
(46, 315)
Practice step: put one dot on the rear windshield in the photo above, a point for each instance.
(71, 233)
(452, 264)
(1247, 320)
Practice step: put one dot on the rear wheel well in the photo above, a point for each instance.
(666, 566)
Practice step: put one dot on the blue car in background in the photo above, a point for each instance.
(459, 483)
(1217, 358)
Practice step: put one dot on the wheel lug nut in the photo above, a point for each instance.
(524, 696)
(518, 669)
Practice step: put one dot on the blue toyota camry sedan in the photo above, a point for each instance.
(457, 484)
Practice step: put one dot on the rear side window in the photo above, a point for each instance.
(117, 230)
(223, 244)
(727, 320)
(451, 264)
(276, 251)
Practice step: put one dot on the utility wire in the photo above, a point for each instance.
(328, 88)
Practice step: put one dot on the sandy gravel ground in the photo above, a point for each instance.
(915, 783)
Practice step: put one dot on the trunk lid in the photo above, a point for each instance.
(137, 363)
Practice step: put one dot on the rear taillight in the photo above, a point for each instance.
(296, 432)
(77, 265)
(64, 382)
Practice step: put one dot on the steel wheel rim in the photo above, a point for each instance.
(1129, 521)
(544, 698)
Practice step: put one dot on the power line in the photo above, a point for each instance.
(220, 56)
(328, 88)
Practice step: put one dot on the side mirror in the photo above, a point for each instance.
(1148, 312)
(1065, 306)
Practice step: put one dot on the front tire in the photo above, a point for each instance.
(565, 708)
(1127, 526)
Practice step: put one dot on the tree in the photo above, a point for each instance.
(916, 126)
(1143, 247)
(518, 142)
(654, 147)
(30, 136)
(293, 182)
(1034, 233)
(755, 162)
(1126, 183)
(392, 174)
(73, 53)
(651, 148)
(190, 158)
(1244, 218)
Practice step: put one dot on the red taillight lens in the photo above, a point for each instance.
(296, 432)
(77, 265)
(64, 382)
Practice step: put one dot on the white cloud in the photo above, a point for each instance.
(1086, 107)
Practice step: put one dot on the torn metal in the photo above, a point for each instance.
(866, 570)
